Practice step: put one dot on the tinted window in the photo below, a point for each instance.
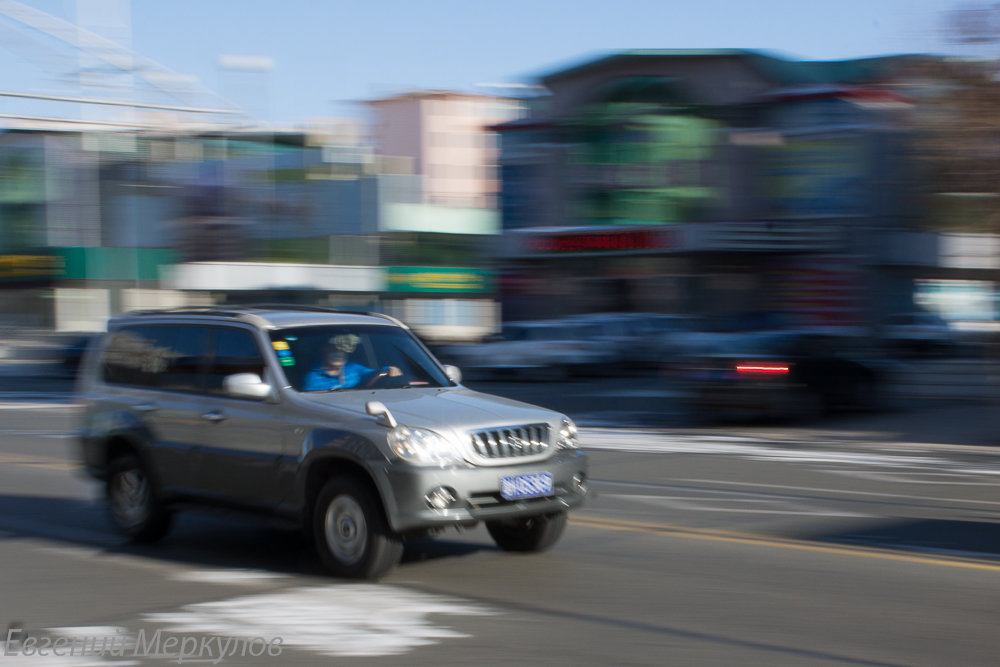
(234, 351)
(165, 357)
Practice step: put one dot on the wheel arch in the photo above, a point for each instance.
(324, 468)
(118, 445)
(124, 443)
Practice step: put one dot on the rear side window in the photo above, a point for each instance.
(164, 357)
(234, 351)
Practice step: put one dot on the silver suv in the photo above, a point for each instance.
(341, 424)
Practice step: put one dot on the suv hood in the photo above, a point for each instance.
(444, 410)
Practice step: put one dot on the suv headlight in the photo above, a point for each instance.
(567, 435)
(422, 447)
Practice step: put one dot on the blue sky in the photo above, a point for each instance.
(329, 53)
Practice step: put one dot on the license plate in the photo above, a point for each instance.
(531, 485)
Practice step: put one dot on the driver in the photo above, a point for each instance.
(335, 372)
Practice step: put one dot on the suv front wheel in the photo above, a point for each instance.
(132, 503)
(533, 533)
(352, 535)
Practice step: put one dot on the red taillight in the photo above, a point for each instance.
(762, 368)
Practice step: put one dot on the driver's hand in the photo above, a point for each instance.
(394, 371)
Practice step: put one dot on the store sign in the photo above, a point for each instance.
(613, 241)
(437, 279)
(29, 267)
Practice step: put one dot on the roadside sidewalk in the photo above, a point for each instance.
(972, 425)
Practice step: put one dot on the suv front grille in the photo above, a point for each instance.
(511, 441)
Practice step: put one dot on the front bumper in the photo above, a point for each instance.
(477, 492)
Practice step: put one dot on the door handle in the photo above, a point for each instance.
(146, 407)
(214, 416)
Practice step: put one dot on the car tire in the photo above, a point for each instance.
(528, 534)
(807, 405)
(865, 395)
(133, 504)
(352, 535)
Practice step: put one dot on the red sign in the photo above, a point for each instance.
(630, 240)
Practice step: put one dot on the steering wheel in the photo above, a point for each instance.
(378, 377)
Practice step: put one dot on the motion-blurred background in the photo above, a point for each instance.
(636, 208)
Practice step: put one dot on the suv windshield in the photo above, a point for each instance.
(327, 358)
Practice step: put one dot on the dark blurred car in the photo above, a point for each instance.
(787, 374)
(72, 352)
(540, 349)
(637, 341)
(920, 333)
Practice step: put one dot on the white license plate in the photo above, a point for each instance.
(531, 485)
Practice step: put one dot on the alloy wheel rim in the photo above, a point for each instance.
(130, 497)
(345, 529)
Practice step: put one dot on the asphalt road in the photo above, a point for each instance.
(696, 549)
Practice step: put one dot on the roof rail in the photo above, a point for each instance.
(236, 310)
(186, 310)
(287, 306)
(314, 309)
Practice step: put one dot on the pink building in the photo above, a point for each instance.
(445, 135)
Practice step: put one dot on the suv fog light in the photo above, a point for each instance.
(441, 498)
(579, 482)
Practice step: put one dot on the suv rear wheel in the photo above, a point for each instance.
(352, 535)
(534, 533)
(132, 503)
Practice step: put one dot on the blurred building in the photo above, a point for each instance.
(446, 135)
(729, 184)
(125, 218)
(442, 220)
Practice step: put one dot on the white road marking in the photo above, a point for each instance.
(89, 631)
(978, 471)
(688, 503)
(759, 449)
(333, 620)
(753, 448)
(901, 477)
(816, 489)
(243, 577)
(91, 642)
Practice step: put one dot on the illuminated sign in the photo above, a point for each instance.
(613, 241)
(437, 279)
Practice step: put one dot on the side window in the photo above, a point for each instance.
(235, 351)
(164, 357)
(132, 358)
(186, 364)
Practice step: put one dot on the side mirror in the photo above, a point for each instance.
(378, 409)
(453, 373)
(246, 385)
